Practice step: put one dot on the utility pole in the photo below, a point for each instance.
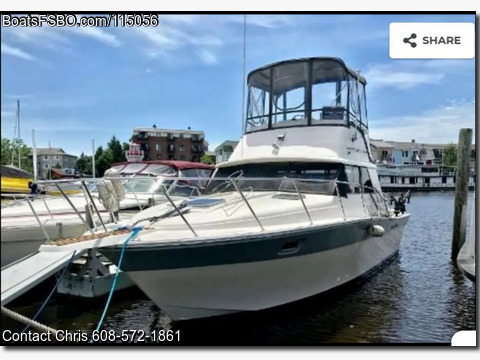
(19, 147)
(93, 158)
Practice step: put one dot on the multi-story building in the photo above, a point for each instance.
(168, 144)
(48, 158)
(411, 153)
(224, 151)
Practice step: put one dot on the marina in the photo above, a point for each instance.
(256, 225)
(311, 220)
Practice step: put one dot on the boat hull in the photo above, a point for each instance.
(250, 274)
(20, 242)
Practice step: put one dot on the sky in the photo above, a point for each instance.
(76, 84)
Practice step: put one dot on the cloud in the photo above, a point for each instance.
(207, 57)
(46, 37)
(438, 125)
(401, 76)
(6, 113)
(97, 34)
(9, 50)
(266, 21)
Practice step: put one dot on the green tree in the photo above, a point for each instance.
(103, 162)
(207, 159)
(84, 164)
(10, 153)
(449, 155)
(116, 150)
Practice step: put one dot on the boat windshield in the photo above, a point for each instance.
(309, 177)
(316, 91)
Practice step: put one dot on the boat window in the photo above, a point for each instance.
(329, 93)
(258, 107)
(353, 176)
(365, 179)
(143, 185)
(197, 173)
(319, 91)
(159, 169)
(309, 177)
(289, 99)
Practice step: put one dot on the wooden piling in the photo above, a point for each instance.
(461, 191)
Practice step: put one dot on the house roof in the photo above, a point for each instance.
(380, 144)
(151, 129)
(50, 151)
(231, 143)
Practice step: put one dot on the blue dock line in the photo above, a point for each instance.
(51, 292)
(134, 233)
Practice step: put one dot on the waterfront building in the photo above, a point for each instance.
(49, 158)
(169, 144)
(224, 151)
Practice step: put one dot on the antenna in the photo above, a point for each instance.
(244, 68)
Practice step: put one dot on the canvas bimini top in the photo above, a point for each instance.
(10, 171)
(305, 92)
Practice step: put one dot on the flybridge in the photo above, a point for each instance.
(442, 40)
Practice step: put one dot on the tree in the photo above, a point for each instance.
(207, 159)
(116, 150)
(449, 155)
(84, 164)
(104, 161)
(10, 152)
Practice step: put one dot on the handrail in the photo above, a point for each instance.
(246, 202)
(340, 200)
(93, 203)
(73, 207)
(38, 220)
(303, 202)
(300, 187)
(179, 213)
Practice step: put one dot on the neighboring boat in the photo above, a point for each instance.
(15, 180)
(296, 211)
(21, 233)
(466, 256)
(418, 177)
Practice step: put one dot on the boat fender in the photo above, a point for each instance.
(117, 184)
(108, 198)
(377, 230)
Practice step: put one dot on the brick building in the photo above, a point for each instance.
(168, 144)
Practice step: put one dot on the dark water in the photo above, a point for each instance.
(419, 297)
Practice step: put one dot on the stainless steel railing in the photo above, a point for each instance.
(239, 183)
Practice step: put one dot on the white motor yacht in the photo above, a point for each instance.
(296, 211)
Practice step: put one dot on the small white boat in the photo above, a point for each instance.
(21, 233)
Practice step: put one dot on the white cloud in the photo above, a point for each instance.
(9, 50)
(266, 21)
(408, 74)
(97, 34)
(207, 57)
(400, 76)
(47, 37)
(439, 125)
(8, 114)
